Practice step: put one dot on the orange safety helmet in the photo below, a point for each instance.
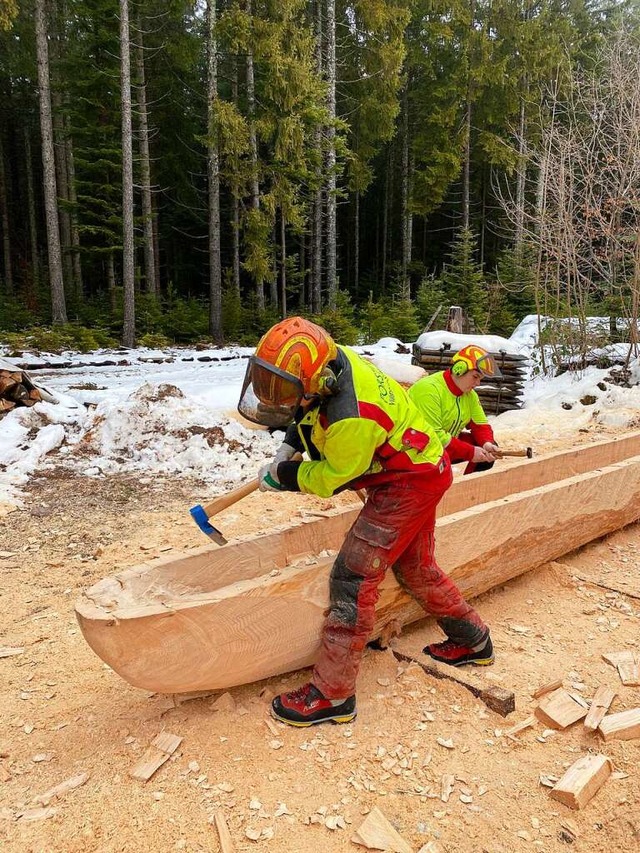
(291, 361)
(473, 357)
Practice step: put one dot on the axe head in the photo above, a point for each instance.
(202, 520)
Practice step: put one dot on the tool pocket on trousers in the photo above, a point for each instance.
(375, 534)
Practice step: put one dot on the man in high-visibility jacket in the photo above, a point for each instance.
(449, 401)
(359, 430)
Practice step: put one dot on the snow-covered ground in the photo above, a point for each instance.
(174, 411)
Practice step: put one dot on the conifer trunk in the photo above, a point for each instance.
(332, 282)
(235, 205)
(4, 217)
(466, 165)
(145, 167)
(283, 264)
(316, 223)
(59, 144)
(128, 269)
(31, 205)
(520, 175)
(58, 302)
(253, 144)
(213, 171)
(75, 231)
(406, 213)
(356, 244)
(385, 218)
(111, 282)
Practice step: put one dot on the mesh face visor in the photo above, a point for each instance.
(486, 365)
(269, 396)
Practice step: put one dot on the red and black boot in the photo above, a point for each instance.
(306, 706)
(457, 655)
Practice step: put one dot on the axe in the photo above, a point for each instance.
(527, 451)
(202, 514)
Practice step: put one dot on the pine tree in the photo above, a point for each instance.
(463, 280)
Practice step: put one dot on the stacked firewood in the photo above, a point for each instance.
(496, 395)
(16, 388)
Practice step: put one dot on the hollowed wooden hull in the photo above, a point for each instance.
(223, 616)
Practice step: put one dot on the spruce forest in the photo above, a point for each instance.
(182, 171)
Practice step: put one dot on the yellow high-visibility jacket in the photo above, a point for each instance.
(451, 411)
(366, 433)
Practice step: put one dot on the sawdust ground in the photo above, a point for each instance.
(63, 712)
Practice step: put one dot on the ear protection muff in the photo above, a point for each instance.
(459, 368)
(327, 382)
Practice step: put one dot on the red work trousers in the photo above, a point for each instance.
(395, 528)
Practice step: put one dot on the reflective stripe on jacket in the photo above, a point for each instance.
(368, 432)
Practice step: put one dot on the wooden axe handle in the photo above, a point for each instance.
(230, 498)
(236, 495)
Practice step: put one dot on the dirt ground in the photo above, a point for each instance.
(63, 713)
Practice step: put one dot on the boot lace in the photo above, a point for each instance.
(304, 694)
(446, 646)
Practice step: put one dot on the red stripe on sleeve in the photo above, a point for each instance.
(375, 413)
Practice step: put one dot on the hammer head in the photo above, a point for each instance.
(202, 520)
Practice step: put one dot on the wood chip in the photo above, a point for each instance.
(446, 787)
(624, 725)
(600, 704)
(161, 748)
(226, 844)
(273, 728)
(547, 688)
(582, 781)
(224, 702)
(37, 814)
(6, 652)
(519, 727)
(60, 790)
(377, 833)
(559, 709)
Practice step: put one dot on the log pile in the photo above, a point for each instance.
(17, 388)
(496, 395)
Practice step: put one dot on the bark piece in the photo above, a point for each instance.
(161, 748)
(625, 725)
(224, 835)
(498, 699)
(582, 781)
(377, 833)
(600, 704)
(559, 710)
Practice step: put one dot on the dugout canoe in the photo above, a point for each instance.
(223, 616)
